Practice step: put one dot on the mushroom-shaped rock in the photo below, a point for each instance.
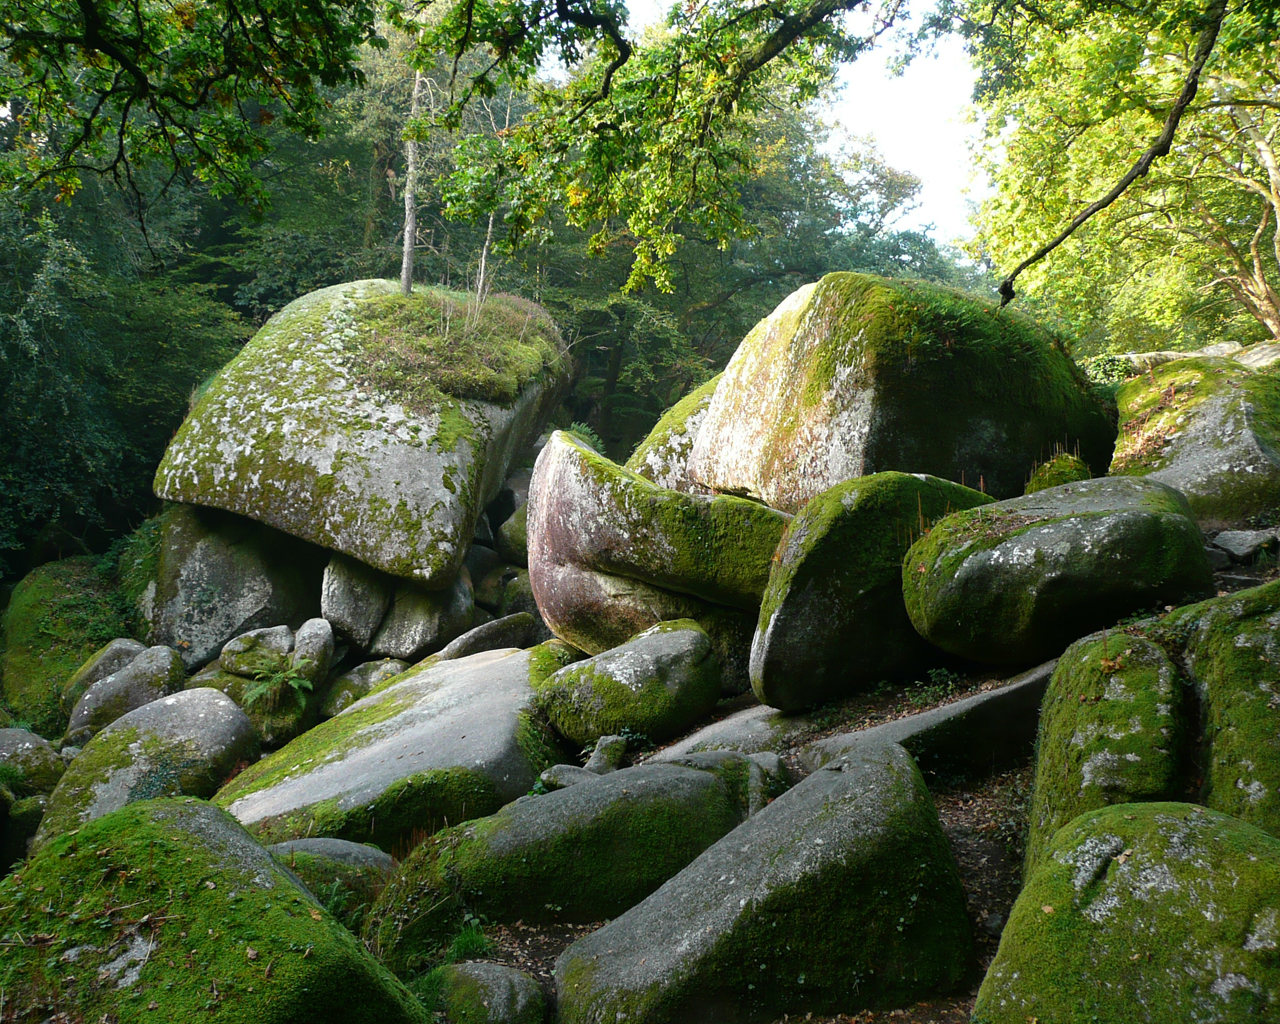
(1017, 581)
(186, 744)
(357, 420)
(856, 375)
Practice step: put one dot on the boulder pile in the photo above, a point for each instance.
(394, 658)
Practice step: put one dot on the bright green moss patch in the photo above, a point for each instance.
(1143, 914)
(1114, 726)
(669, 442)
(59, 615)
(169, 901)
(434, 343)
(346, 891)
(1063, 468)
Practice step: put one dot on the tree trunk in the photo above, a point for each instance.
(410, 194)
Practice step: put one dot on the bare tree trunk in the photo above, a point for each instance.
(410, 195)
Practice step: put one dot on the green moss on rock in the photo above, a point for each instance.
(1063, 468)
(663, 456)
(657, 684)
(835, 585)
(856, 375)
(170, 902)
(1114, 728)
(579, 854)
(59, 615)
(1143, 914)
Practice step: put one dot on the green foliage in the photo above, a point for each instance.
(1107, 369)
(1073, 90)
(942, 684)
(105, 85)
(586, 435)
(273, 691)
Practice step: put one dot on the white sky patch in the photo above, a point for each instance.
(919, 121)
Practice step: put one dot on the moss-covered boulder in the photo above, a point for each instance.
(1063, 468)
(187, 744)
(59, 615)
(220, 575)
(1146, 914)
(663, 456)
(443, 742)
(345, 877)
(171, 904)
(588, 511)
(1017, 581)
(1210, 428)
(582, 853)
(513, 536)
(836, 586)
(29, 764)
(611, 554)
(483, 993)
(109, 658)
(841, 894)
(371, 423)
(1115, 726)
(420, 621)
(1232, 651)
(155, 673)
(856, 375)
(657, 684)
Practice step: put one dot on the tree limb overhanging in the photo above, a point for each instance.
(1205, 42)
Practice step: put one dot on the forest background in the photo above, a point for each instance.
(121, 294)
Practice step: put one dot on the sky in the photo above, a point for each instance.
(917, 120)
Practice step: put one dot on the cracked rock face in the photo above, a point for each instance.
(1143, 913)
(289, 435)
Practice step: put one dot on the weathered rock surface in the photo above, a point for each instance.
(447, 741)
(1017, 581)
(611, 554)
(840, 894)
(1113, 730)
(59, 615)
(1210, 428)
(421, 621)
(608, 755)
(186, 744)
(29, 762)
(832, 621)
(582, 853)
(107, 659)
(519, 630)
(513, 537)
(658, 684)
(258, 652)
(155, 673)
(351, 686)
(663, 456)
(219, 576)
(292, 434)
(491, 994)
(971, 737)
(354, 598)
(216, 907)
(748, 731)
(1143, 913)
(856, 375)
(1246, 545)
(312, 654)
